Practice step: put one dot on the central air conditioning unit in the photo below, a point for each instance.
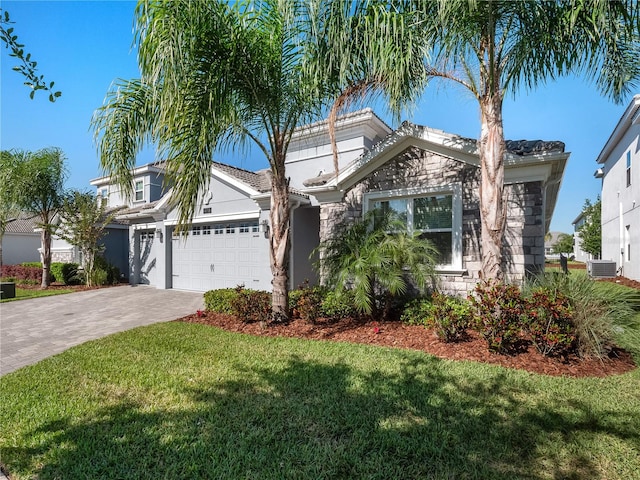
(601, 268)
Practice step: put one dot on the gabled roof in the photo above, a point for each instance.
(24, 223)
(259, 180)
(526, 160)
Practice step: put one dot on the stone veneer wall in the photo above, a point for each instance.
(524, 236)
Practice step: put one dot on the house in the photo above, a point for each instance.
(21, 241)
(579, 254)
(550, 240)
(428, 175)
(619, 170)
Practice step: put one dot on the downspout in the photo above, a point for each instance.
(621, 220)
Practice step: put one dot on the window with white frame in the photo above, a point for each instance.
(231, 229)
(629, 169)
(436, 213)
(218, 229)
(244, 228)
(195, 230)
(206, 230)
(139, 190)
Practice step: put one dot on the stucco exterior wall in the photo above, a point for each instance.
(19, 248)
(621, 205)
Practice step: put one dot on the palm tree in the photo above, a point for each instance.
(214, 75)
(34, 183)
(376, 256)
(490, 48)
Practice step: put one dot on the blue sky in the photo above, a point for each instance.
(85, 45)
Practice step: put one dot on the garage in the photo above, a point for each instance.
(220, 255)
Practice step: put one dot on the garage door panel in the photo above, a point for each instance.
(234, 256)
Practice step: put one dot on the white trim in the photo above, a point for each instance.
(234, 182)
(219, 218)
(454, 189)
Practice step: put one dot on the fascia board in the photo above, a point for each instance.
(629, 117)
(234, 182)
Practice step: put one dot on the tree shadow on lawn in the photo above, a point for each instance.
(314, 420)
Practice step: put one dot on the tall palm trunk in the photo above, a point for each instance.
(279, 243)
(45, 255)
(492, 206)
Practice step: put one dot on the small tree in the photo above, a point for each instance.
(591, 231)
(84, 219)
(375, 256)
(564, 244)
(34, 183)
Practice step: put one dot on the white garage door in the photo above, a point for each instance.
(219, 256)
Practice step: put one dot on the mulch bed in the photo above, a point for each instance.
(396, 334)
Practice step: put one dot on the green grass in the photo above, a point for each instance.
(180, 400)
(25, 293)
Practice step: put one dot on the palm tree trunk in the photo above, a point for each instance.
(279, 243)
(492, 206)
(45, 256)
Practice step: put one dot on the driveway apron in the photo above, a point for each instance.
(31, 330)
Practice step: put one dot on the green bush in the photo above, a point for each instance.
(56, 271)
(53, 274)
(450, 317)
(417, 312)
(99, 276)
(251, 305)
(498, 308)
(70, 274)
(338, 304)
(32, 264)
(220, 301)
(112, 272)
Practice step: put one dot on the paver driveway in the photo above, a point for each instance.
(31, 330)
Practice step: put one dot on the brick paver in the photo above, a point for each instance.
(31, 330)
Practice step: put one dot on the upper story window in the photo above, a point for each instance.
(437, 214)
(139, 190)
(628, 169)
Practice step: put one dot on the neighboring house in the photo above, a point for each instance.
(620, 173)
(579, 254)
(550, 241)
(21, 242)
(430, 177)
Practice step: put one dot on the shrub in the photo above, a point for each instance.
(23, 274)
(549, 322)
(498, 309)
(56, 271)
(70, 274)
(338, 305)
(450, 317)
(220, 300)
(598, 310)
(251, 305)
(99, 276)
(306, 302)
(112, 272)
(417, 312)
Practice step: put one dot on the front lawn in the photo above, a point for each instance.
(25, 293)
(180, 400)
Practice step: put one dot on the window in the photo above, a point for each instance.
(244, 228)
(255, 228)
(218, 230)
(231, 229)
(139, 189)
(195, 231)
(628, 168)
(436, 214)
(206, 230)
(206, 210)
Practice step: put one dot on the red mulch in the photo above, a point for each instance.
(396, 334)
